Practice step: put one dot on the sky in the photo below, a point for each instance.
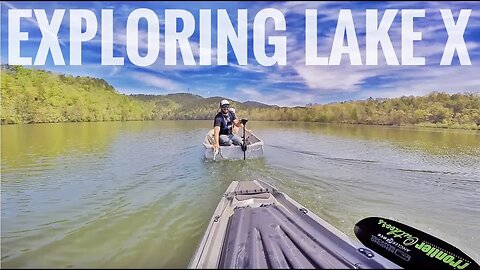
(294, 84)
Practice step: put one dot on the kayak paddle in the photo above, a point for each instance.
(409, 247)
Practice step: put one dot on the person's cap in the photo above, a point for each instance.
(232, 110)
(224, 103)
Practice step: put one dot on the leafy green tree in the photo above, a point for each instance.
(36, 96)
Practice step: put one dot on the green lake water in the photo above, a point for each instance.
(140, 194)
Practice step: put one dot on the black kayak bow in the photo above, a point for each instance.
(409, 247)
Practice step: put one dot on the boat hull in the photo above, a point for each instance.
(256, 226)
(235, 152)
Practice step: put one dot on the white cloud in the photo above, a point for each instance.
(348, 79)
(450, 79)
(251, 67)
(160, 83)
(34, 22)
(333, 78)
(318, 80)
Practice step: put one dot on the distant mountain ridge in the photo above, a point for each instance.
(188, 98)
(257, 104)
(193, 107)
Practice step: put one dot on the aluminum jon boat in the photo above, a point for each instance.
(254, 147)
(256, 226)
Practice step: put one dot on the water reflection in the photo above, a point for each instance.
(431, 140)
(24, 145)
(140, 194)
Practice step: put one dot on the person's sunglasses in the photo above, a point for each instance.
(225, 106)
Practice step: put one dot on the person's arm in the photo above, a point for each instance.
(216, 133)
(216, 136)
(236, 122)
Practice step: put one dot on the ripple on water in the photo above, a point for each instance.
(141, 194)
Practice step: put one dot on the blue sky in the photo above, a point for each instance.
(290, 85)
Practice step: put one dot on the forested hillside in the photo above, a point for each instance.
(433, 110)
(184, 106)
(36, 96)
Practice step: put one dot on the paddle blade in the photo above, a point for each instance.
(409, 247)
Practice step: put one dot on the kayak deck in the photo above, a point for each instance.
(255, 226)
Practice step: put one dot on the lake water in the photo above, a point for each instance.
(140, 194)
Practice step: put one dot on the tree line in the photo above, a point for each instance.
(37, 96)
(433, 110)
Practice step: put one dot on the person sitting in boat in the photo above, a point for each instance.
(223, 125)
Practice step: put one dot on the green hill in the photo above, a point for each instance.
(185, 106)
(37, 96)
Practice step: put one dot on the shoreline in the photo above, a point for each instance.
(425, 125)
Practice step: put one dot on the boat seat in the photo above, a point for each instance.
(242, 197)
(251, 187)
